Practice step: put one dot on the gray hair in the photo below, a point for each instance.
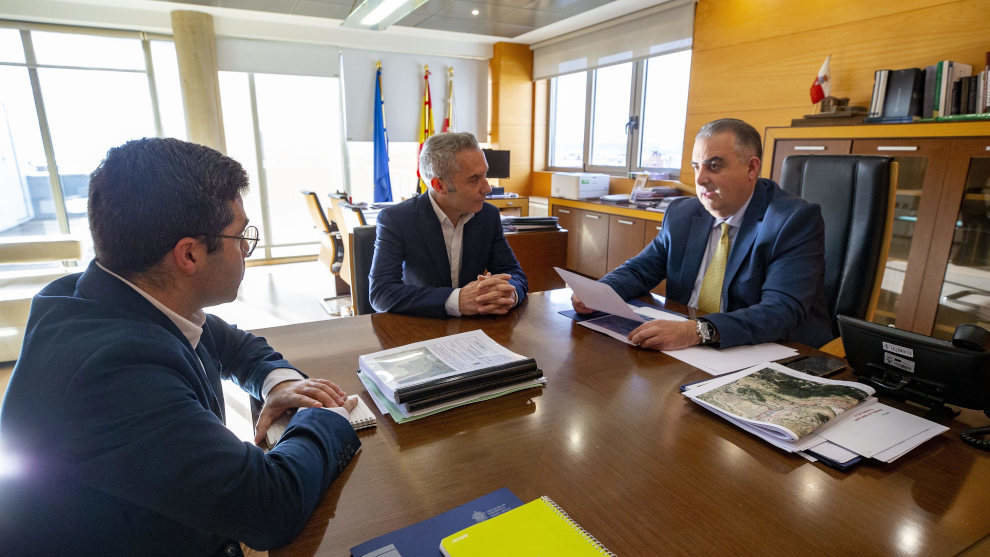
(747, 138)
(438, 159)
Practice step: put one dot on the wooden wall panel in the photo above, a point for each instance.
(759, 68)
(512, 111)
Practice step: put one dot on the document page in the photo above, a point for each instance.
(598, 295)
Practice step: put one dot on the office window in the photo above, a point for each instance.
(403, 158)
(567, 101)
(637, 121)
(609, 142)
(96, 94)
(664, 110)
(297, 132)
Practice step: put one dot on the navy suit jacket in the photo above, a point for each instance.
(123, 434)
(774, 279)
(410, 272)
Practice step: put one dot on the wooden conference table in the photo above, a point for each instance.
(613, 442)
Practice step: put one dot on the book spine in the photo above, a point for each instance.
(873, 99)
(974, 83)
(939, 86)
(964, 96)
(929, 95)
(956, 98)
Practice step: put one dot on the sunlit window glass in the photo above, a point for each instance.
(611, 112)
(238, 131)
(26, 205)
(10, 46)
(403, 156)
(664, 110)
(168, 89)
(65, 49)
(567, 120)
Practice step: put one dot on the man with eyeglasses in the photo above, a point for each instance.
(745, 252)
(115, 404)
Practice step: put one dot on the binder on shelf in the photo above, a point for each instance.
(538, 528)
(902, 96)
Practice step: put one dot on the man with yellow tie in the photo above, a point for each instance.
(746, 253)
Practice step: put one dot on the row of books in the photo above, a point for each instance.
(518, 224)
(424, 378)
(496, 524)
(944, 91)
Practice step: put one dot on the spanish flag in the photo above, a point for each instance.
(425, 124)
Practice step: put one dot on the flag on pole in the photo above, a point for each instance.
(448, 121)
(383, 184)
(822, 86)
(425, 125)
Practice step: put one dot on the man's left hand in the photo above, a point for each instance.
(288, 395)
(660, 334)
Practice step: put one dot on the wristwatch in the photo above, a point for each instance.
(707, 333)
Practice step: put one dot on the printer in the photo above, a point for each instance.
(578, 185)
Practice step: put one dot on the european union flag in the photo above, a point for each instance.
(383, 185)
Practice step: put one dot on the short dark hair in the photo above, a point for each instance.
(149, 193)
(747, 138)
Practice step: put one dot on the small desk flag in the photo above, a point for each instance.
(425, 125)
(822, 86)
(383, 184)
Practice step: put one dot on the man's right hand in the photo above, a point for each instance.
(579, 306)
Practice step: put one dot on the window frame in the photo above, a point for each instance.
(634, 136)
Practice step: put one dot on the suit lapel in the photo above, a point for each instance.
(213, 387)
(432, 236)
(746, 235)
(472, 237)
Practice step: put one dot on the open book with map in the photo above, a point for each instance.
(818, 417)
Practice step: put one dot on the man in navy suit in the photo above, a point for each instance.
(744, 251)
(115, 406)
(443, 253)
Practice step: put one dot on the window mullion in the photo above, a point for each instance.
(260, 161)
(58, 197)
(589, 116)
(634, 147)
(152, 87)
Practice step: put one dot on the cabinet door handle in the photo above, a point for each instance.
(987, 148)
(620, 221)
(897, 147)
(565, 211)
(596, 217)
(658, 229)
(809, 147)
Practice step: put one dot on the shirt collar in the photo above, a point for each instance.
(192, 330)
(443, 216)
(735, 219)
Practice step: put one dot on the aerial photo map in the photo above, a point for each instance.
(770, 396)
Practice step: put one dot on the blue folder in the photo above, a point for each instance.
(423, 538)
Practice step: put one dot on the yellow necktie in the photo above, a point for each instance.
(710, 297)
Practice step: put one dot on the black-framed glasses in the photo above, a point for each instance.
(250, 237)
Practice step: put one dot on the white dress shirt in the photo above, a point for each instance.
(734, 221)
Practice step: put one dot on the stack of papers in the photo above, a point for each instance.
(838, 422)
(622, 318)
(424, 378)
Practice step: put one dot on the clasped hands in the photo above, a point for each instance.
(489, 294)
(658, 334)
(302, 393)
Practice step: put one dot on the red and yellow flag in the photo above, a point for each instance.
(425, 125)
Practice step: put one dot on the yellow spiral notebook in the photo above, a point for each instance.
(538, 528)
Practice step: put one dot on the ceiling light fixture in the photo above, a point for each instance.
(475, 12)
(379, 14)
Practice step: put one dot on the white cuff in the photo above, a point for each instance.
(277, 376)
(453, 304)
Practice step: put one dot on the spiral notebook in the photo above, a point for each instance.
(361, 417)
(538, 528)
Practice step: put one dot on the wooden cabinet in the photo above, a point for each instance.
(937, 273)
(567, 219)
(787, 147)
(587, 239)
(625, 239)
(512, 206)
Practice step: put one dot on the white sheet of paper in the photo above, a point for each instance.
(873, 429)
(598, 295)
(725, 360)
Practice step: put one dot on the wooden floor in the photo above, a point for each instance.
(269, 296)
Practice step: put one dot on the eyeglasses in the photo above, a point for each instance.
(250, 239)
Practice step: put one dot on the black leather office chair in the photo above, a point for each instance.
(362, 252)
(856, 194)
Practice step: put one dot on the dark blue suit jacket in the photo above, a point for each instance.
(124, 440)
(410, 272)
(774, 279)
